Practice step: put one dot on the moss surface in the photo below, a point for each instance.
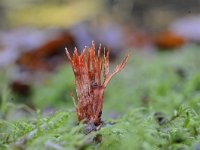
(152, 104)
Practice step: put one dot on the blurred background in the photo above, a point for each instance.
(34, 33)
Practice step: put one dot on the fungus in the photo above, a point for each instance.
(91, 79)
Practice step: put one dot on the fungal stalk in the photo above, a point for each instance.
(91, 79)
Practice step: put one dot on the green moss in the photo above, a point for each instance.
(154, 103)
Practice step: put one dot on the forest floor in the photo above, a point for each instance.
(152, 104)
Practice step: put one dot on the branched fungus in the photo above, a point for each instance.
(89, 69)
